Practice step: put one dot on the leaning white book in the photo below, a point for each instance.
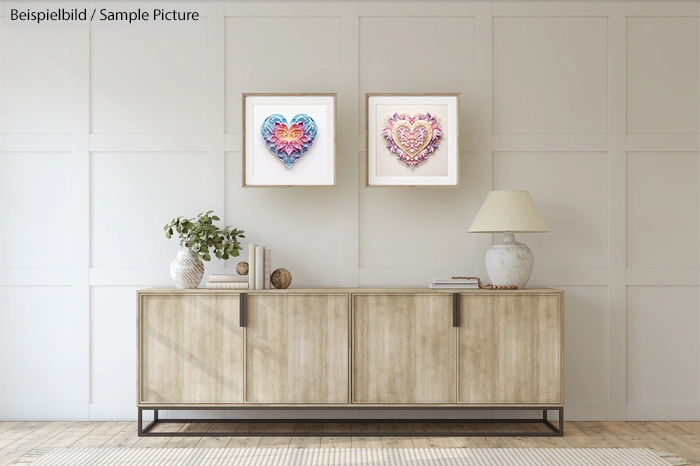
(267, 270)
(251, 266)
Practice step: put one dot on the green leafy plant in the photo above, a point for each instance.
(200, 234)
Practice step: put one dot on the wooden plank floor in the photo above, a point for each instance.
(20, 438)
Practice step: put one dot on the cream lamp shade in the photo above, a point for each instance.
(509, 212)
(513, 211)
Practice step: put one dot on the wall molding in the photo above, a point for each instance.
(36, 276)
(617, 211)
(149, 142)
(655, 276)
(36, 143)
(663, 143)
(80, 122)
(550, 142)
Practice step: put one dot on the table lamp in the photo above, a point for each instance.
(509, 212)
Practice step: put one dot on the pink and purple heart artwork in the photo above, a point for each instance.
(289, 141)
(412, 138)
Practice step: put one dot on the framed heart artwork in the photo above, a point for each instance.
(412, 140)
(289, 140)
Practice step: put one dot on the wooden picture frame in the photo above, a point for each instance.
(395, 161)
(305, 156)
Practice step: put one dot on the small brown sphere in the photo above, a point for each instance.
(281, 279)
(242, 268)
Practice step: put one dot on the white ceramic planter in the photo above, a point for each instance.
(187, 270)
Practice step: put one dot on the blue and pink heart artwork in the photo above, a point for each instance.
(289, 141)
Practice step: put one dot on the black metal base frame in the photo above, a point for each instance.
(555, 431)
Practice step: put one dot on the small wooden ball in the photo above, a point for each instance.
(281, 279)
(242, 268)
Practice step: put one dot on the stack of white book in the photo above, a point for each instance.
(228, 282)
(454, 283)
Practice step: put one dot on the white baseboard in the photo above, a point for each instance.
(663, 411)
(128, 412)
(43, 412)
(116, 412)
(577, 411)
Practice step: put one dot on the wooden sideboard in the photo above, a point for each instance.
(350, 348)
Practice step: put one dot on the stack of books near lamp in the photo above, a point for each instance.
(454, 284)
(228, 282)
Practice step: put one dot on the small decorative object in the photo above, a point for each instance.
(509, 212)
(281, 279)
(242, 268)
(187, 270)
(289, 141)
(198, 235)
(295, 129)
(487, 287)
(412, 139)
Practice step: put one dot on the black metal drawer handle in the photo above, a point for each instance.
(455, 310)
(243, 309)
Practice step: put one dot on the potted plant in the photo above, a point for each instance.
(200, 237)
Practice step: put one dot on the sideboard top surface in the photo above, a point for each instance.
(365, 290)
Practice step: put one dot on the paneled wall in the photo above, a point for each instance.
(107, 133)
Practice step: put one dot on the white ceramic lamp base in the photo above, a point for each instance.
(509, 262)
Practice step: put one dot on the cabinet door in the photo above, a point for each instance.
(403, 349)
(297, 348)
(190, 349)
(510, 349)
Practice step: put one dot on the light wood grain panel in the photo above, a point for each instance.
(511, 349)
(191, 349)
(297, 348)
(403, 349)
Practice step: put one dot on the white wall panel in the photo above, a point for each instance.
(37, 354)
(586, 337)
(302, 226)
(36, 211)
(663, 201)
(550, 75)
(663, 347)
(35, 80)
(570, 191)
(419, 227)
(418, 55)
(663, 71)
(112, 344)
(571, 99)
(148, 79)
(133, 195)
(279, 54)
